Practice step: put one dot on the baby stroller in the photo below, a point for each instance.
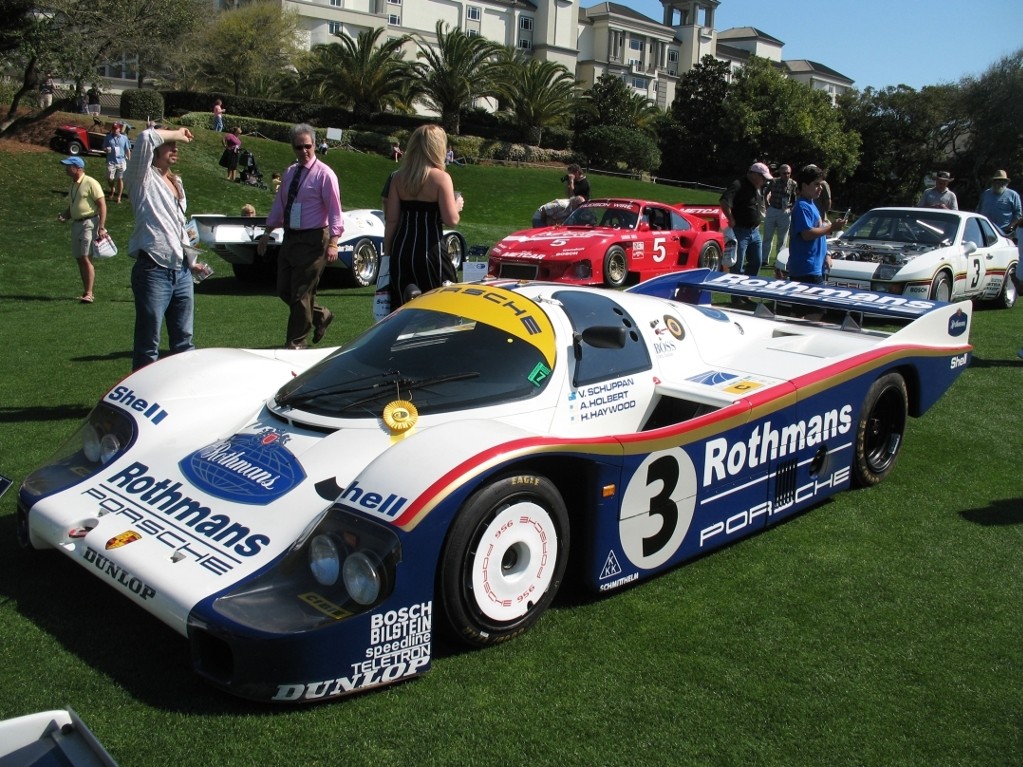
(249, 170)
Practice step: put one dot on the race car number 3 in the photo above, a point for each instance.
(658, 508)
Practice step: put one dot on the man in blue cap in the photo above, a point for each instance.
(87, 212)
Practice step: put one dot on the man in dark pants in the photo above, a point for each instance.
(308, 206)
(742, 205)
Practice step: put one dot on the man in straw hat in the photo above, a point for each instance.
(939, 195)
(1000, 204)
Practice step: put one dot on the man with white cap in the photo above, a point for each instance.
(87, 212)
(742, 204)
(1000, 204)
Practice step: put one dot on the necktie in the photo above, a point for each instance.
(296, 180)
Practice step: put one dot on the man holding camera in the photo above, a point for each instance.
(576, 183)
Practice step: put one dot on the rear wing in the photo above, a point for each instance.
(712, 215)
(697, 285)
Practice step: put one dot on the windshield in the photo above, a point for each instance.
(903, 226)
(434, 359)
(617, 215)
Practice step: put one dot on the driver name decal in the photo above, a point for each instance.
(245, 468)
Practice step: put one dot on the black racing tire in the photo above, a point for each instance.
(616, 267)
(504, 559)
(75, 148)
(710, 257)
(454, 245)
(941, 287)
(365, 264)
(881, 430)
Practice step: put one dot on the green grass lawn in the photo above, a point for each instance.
(881, 628)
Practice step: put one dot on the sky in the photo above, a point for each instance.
(877, 43)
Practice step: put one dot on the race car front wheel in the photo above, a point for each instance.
(504, 559)
(881, 429)
(941, 287)
(616, 267)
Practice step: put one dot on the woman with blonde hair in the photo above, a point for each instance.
(420, 201)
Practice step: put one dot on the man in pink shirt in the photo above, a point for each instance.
(308, 206)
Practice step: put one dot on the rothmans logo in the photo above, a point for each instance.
(246, 468)
(957, 324)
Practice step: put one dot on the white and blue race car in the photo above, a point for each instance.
(310, 520)
(233, 238)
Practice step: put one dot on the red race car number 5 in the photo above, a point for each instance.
(657, 508)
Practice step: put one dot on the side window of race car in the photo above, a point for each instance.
(594, 363)
(986, 231)
(973, 233)
(679, 224)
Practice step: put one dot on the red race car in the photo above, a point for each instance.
(613, 242)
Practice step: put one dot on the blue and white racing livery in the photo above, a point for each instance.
(310, 520)
(233, 238)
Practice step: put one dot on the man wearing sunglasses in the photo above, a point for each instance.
(308, 207)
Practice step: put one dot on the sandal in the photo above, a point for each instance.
(86, 299)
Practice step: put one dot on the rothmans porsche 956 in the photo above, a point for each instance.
(614, 242)
(233, 238)
(944, 255)
(310, 520)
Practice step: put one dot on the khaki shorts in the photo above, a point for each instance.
(82, 234)
(115, 170)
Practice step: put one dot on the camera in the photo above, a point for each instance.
(564, 179)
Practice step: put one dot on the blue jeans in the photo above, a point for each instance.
(160, 293)
(747, 252)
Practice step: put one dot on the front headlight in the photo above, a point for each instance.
(324, 561)
(344, 566)
(364, 577)
(106, 434)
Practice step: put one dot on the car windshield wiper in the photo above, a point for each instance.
(386, 378)
(411, 384)
(383, 384)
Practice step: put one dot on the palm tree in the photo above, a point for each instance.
(539, 94)
(361, 74)
(456, 71)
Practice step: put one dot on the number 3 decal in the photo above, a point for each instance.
(657, 508)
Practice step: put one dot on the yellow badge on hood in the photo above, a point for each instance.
(400, 415)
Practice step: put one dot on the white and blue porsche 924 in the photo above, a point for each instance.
(309, 519)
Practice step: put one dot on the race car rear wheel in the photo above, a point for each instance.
(454, 246)
(1010, 291)
(941, 287)
(504, 559)
(881, 429)
(710, 257)
(365, 262)
(616, 267)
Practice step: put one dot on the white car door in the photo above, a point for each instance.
(976, 262)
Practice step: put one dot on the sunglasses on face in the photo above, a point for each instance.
(302, 146)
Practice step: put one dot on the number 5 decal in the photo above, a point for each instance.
(660, 253)
(657, 508)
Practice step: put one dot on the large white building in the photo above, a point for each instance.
(606, 37)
